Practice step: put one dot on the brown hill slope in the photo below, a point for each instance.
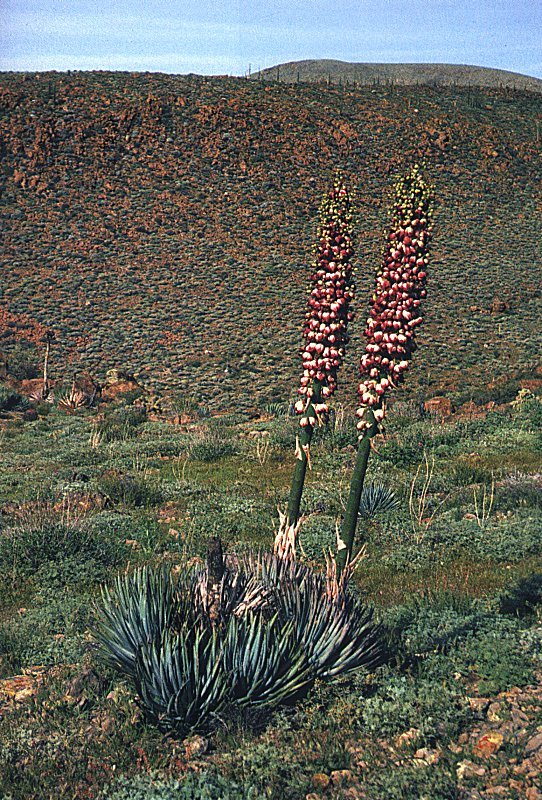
(332, 71)
(166, 224)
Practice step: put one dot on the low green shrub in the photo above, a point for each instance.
(10, 400)
(441, 635)
(50, 632)
(496, 661)
(129, 490)
(463, 473)
(438, 710)
(406, 782)
(434, 623)
(523, 598)
(506, 539)
(205, 785)
(212, 447)
(517, 491)
(69, 550)
(120, 424)
(317, 536)
(23, 361)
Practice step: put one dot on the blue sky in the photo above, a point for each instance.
(211, 37)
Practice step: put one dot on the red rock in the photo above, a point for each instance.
(321, 781)
(488, 744)
(534, 744)
(439, 407)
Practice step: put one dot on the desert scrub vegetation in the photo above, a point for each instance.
(226, 131)
(458, 602)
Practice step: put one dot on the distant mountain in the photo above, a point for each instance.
(332, 71)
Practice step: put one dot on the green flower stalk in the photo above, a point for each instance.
(326, 337)
(393, 318)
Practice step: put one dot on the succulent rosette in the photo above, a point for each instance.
(328, 314)
(395, 306)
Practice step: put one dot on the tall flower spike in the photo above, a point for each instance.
(393, 319)
(326, 337)
(328, 313)
(395, 305)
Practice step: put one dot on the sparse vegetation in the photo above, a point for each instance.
(459, 606)
(270, 678)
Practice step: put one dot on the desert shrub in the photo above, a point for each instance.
(402, 413)
(435, 782)
(317, 535)
(213, 445)
(23, 361)
(523, 598)
(138, 527)
(129, 490)
(119, 424)
(318, 532)
(130, 397)
(201, 786)
(407, 447)
(278, 409)
(69, 551)
(400, 702)
(464, 474)
(401, 453)
(508, 539)
(527, 406)
(518, 491)
(10, 400)
(233, 518)
(434, 623)
(442, 634)
(504, 392)
(51, 632)
(282, 433)
(496, 660)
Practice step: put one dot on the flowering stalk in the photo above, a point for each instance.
(326, 337)
(393, 318)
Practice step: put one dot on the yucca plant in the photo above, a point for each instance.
(263, 661)
(278, 629)
(376, 499)
(394, 316)
(72, 399)
(136, 612)
(180, 678)
(336, 632)
(326, 337)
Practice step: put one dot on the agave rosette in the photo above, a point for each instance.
(278, 631)
(328, 314)
(395, 306)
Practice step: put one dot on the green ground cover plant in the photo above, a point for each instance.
(472, 629)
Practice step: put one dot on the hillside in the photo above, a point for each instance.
(333, 71)
(166, 224)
